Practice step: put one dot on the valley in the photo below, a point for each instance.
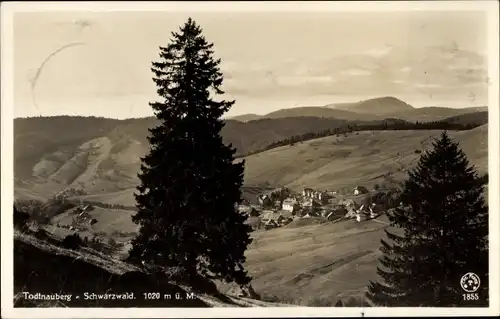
(309, 261)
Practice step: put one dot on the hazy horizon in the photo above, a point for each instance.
(270, 61)
(232, 116)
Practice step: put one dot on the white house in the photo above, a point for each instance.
(290, 205)
(360, 190)
(308, 192)
(265, 200)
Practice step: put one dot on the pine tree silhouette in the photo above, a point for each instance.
(189, 184)
(443, 234)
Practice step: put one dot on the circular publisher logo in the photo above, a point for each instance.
(470, 282)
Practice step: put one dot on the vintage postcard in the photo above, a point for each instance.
(295, 159)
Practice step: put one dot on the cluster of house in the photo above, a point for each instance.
(82, 216)
(275, 211)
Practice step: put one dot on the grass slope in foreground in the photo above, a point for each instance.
(41, 267)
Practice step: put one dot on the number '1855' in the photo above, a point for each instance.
(470, 296)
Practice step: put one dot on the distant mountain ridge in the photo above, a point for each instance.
(371, 109)
(377, 106)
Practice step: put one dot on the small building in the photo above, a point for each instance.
(267, 215)
(347, 203)
(309, 214)
(286, 213)
(360, 190)
(310, 203)
(290, 204)
(351, 213)
(265, 200)
(323, 197)
(308, 192)
(360, 216)
(280, 219)
(375, 210)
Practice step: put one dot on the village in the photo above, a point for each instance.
(281, 206)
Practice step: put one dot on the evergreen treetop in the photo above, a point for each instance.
(439, 234)
(189, 184)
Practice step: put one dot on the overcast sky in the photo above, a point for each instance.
(270, 60)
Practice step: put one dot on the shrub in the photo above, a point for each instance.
(112, 242)
(41, 234)
(96, 244)
(73, 241)
(20, 219)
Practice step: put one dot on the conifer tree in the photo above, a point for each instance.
(190, 186)
(443, 230)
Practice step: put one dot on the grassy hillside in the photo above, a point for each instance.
(365, 159)
(312, 265)
(65, 271)
(102, 156)
(40, 266)
(42, 146)
(316, 265)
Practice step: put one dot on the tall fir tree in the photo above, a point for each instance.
(439, 234)
(190, 185)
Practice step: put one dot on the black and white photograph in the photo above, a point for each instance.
(321, 158)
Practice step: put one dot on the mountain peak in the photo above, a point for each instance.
(380, 105)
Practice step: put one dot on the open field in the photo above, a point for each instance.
(108, 220)
(317, 264)
(364, 159)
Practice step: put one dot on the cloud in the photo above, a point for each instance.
(379, 71)
(428, 85)
(380, 52)
(356, 72)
